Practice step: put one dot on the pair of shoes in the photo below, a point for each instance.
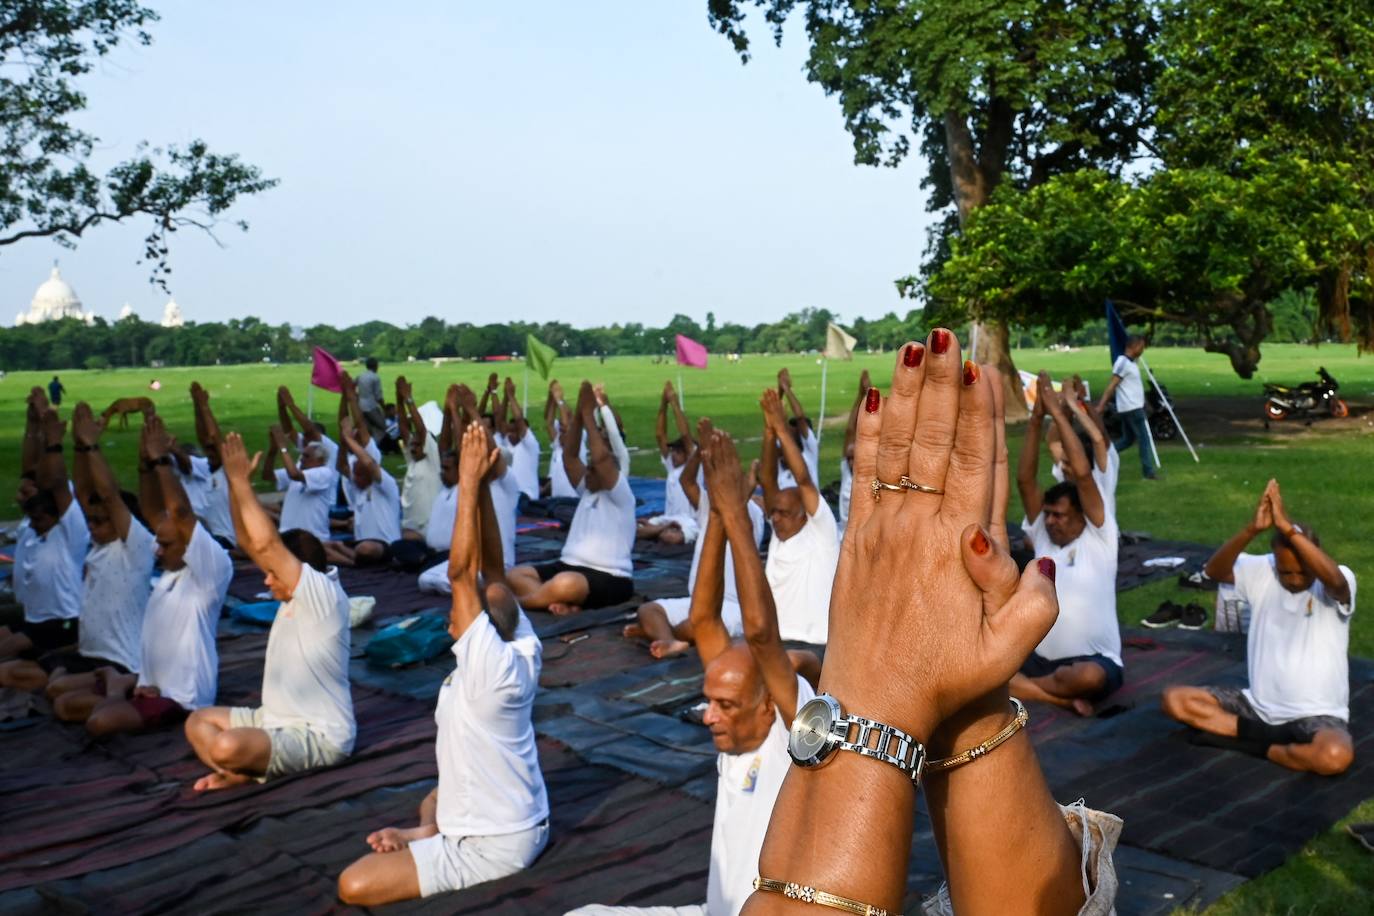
(1167, 614)
(1363, 834)
(1194, 617)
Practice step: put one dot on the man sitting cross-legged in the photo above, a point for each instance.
(678, 523)
(595, 569)
(117, 576)
(1296, 711)
(806, 541)
(1079, 661)
(421, 451)
(489, 815)
(376, 502)
(557, 417)
(310, 484)
(664, 622)
(178, 662)
(306, 716)
(799, 429)
(752, 689)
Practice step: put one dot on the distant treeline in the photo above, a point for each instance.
(132, 342)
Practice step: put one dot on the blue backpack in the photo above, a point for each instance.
(417, 638)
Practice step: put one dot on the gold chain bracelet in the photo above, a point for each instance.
(810, 895)
(981, 750)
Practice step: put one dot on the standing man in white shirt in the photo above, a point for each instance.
(677, 524)
(1079, 661)
(1296, 711)
(310, 484)
(489, 815)
(797, 427)
(1130, 404)
(752, 692)
(306, 716)
(595, 569)
(806, 540)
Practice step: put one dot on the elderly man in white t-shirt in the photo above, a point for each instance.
(306, 716)
(513, 433)
(310, 484)
(799, 429)
(806, 540)
(421, 452)
(752, 690)
(489, 815)
(1296, 710)
(677, 524)
(595, 569)
(1078, 663)
(1129, 389)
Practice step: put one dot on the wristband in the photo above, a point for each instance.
(53, 449)
(88, 448)
(980, 750)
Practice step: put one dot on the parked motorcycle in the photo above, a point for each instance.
(1282, 402)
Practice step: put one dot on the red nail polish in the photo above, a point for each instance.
(939, 340)
(970, 372)
(1046, 567)
(874, 400)
(980, 543)
(912, 355)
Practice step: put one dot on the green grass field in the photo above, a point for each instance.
(1322, 470)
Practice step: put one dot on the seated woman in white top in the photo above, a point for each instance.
(178, 668)
(488, 817)
(306, 716)
(678, 523)
(595, 569)
(117, 577)
(1296, 709)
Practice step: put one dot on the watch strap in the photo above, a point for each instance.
(886, 743)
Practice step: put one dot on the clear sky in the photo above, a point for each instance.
(598, 162)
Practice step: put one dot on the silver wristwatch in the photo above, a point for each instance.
(820, 728)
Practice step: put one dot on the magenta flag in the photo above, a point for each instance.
(690, 353)
(326, 372)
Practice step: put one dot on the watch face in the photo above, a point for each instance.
(810, 732)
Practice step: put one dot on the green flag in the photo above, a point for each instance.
(539, 356)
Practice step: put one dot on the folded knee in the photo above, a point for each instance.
(99, 725)
(1171, 702)
(353, 886)
(224, 749)
(1332, 759)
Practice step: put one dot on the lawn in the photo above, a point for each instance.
(1321, 469)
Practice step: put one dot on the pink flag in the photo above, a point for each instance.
(326, 372)
(690, 353)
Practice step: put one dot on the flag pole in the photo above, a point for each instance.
(1173, 416)
(825, 369)
(681, 398)
(310, 400)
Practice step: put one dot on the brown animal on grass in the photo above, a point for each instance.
(126, 406)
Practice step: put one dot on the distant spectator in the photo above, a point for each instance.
(370, 400)
(55, 391)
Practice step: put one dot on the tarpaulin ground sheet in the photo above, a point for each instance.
(114, 827)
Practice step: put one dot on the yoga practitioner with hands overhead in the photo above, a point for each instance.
(929, 620)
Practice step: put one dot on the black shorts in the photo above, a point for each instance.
(603, 589)
(49, 635)
(1232, 699)
(381, 560)
(76, 663)
(1039, 666)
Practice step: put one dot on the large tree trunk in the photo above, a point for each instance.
(972, 185)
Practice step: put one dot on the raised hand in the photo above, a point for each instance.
(1281, 521)
(199, 395)
(784, 379)
(346, 384)
(157, 442)
(556, 390)
(668, 393)
(921, 578)
(599, 391)
(53, 427)
(476, 457)
(346, 428)
(451, 400)
(38, 402)
(86, 429)
(234, 458)
(586, 401)
(725, 479)
(1047, 395)
(277, 437)
(467, 400)
(284, 395)
(509, 388)
(403, 392)
(493, 382)
(772, 412)
(1264, 511)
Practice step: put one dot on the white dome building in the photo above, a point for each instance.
(126, 312)
(171, 315)
(52, 301)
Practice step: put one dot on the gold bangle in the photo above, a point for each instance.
(981, 750)
(820, 898)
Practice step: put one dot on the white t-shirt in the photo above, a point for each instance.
(196, 483)
(602, 533)
(305, 672)
(308, 501)
(218, 517)
(439, 528)
(622, 454)
(1106, 480)
(675, 501)
(179, 654)
(747, 785)
(560, 487)
(1130, 391)
(801, 572)
(118, 581)
(525, 462)
(376, 509)
(420, 486)
(505, 501)
(47, 568)
(1297, 644)
(1085, 580)
(703, 515)
(811, 455)
(489, 777)
(846, 491)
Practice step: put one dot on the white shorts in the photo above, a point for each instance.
(450, 863)
(435, 580)
(688, 524)
(294, 748)
(678, 609)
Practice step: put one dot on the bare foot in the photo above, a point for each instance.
(559, 609)
(213, 781)
(388, 839)
(667, 648)
(634, 631)
(1083, 708)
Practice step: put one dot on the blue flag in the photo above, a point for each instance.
(1116, 332)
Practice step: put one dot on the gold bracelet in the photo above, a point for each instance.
(973, 753)
(820, 898)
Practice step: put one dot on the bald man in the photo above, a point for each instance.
(752, 689)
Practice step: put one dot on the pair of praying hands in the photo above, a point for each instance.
(1270, 513)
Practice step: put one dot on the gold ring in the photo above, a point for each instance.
(906, 483)
(879, 486)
